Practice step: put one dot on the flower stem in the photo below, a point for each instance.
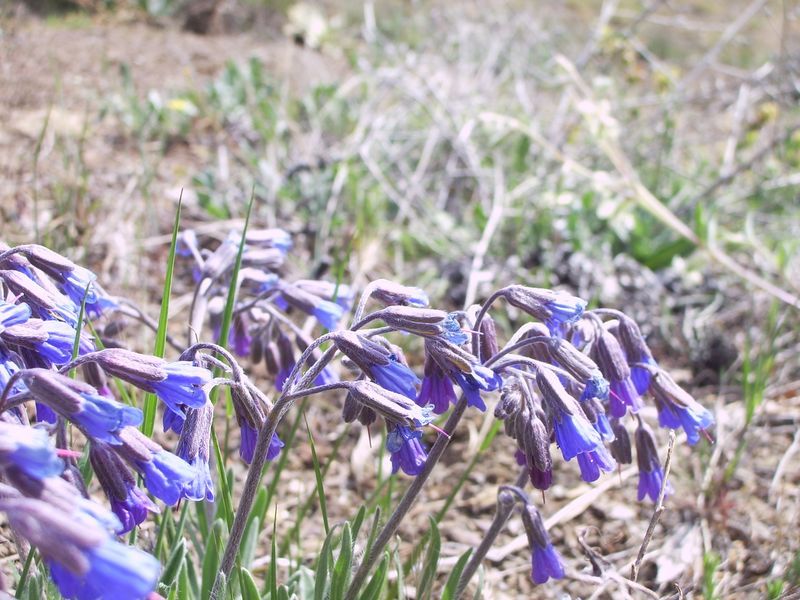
(407, 501)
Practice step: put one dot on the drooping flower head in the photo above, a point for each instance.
(52, 340)
(464, 369)
(676, 408)
(574, 433)
(545, 559)
(407, 452)
(394, 294)
(29, 450)
(555, 309)
(613, 364)
(85, 562)
(651, 473)
(593, 463)
(176, 384)
(436, 389)
(327, 313)
(637, 351)
(165, 474)
(98, 417)
(193, 448)
(128, 502)
(378, 362)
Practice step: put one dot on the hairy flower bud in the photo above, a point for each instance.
(612, 363)
(392, 293)
(488, 338)
(419, 321)
(620, 446)
(553, 308)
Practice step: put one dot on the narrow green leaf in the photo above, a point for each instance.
(343, 566)
(373, 531)
(401, 585)
(358, 521)
(449, 592)
(375, 585)
(283, 593)
(149, 407)
(324, 566)
(323, 505)
(249, 543)
(174, 564)
(430, 563)
(272, 578)
(26, 569)
(248, 583)
(212, 556)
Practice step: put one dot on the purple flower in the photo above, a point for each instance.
(52, 340)
(13, 314)
(651, 474)
(575, 435)
(436, 389)
(183, 385)
(165, 475)
(676, 408)
(102, 418)
(545, 560)
(480, 379)
(546, 563)
(29, 450)
(248, 443)
(464, 369)
(592, 463)
(407, 452)
(132, 509)
(396, 377)
(114, 570)
(623, 395)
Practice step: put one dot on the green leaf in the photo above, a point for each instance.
(249, 589)
(375, 585)
(174, 564)
(449, 592)
(323, 505)
(272, 578)
(249, 542)
(431, 562)
(324, 567)
(212, 557)
(343, 566)
(149, 408)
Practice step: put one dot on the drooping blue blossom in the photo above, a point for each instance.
(51, 340)
(13, 314)
(115, 570)
(200, 486)
(165, 475)
(132, 510)
(593, 462)
(328, 314)
(436, 389)
(29, 450)
(622, 396)
(480, 379)
(575, 435)
(396, 377)
(407, 452)
(651, 473)
(545, 560)
(676, 408)
(464, 369)
(102, 418)
(546, 564)
(183, 385)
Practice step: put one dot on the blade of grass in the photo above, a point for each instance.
(323, 505)
(150, 403)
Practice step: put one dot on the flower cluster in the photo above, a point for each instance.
(561, 384)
